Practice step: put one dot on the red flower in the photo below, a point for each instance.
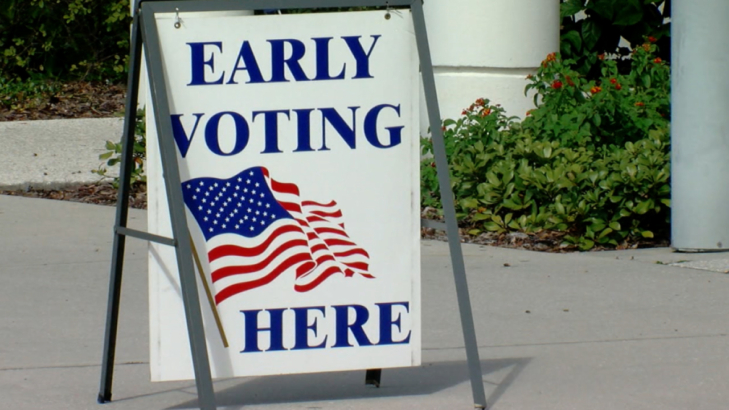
(557, 84)
(658, 60)
(652, 39)
(601, 56)
(464, 112)
(529, 112)
(613, 81)
(569, 81)
(480, 102)
(639, 104)
(618, 87)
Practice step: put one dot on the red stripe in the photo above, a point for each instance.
(355, 251)
(327, 273)
(305, 268)
(233, 250)
(286, 188)
(318, 247)
(335, 214)
(358, 265)
(302, 222)
(315, 219)
(331, 230)
(291, 207)
(226, 271)
(244, 286)
(335, 242)
(310, 203)
(325, 258)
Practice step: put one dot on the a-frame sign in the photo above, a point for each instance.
(325, 254)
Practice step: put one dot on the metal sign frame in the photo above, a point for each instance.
(144, 32)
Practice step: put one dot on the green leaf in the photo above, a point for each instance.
(110, 145)
(590, 34)
(615, 226)
(573, 38)
(643, 207)
(666, 202)
(474, 232)
(106, 155)
(647, 234)
(630, 12)
(570, 8)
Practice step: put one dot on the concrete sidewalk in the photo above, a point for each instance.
(54, 153)
(609, 330)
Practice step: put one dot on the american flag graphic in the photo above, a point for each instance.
(257, 228)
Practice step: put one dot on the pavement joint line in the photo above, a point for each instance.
(68, 366)
(577, 342)
(71, 263)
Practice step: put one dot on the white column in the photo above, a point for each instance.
(486, 48)
(700, 125)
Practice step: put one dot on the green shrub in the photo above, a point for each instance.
(139, 153)
(592, 160)
(64, 38)
(602, 23)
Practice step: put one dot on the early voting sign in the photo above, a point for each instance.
(296, 139)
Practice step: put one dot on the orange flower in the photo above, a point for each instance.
(639, 104)
(486, 112)
(595, 90)
(569, 81)
(529, 112)
(657, 60)
(480, 102)
(647, 47)
(601, 56)
(529, 77)
(652, 39)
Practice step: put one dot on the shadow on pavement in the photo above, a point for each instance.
(428, 379)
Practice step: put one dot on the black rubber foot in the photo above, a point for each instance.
(373, 377)
(101, 399)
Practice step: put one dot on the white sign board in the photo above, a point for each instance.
(297, 142)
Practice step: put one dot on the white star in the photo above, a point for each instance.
(240, 220)
(253, 192)
(215, 222)
(240, 205)
(223, 226)
(227, 219)
(211, 188)
(215, 184)
(209, 212)
(261, 195)
(248, 181)
(268, 205)
(202, 183)
(199, 208)
(207, 194)
(245, 217)
(257, 184)
(204, 200)
(237, 226)
(240, 179)
(251, 201)
(273, 216)
(189, 186)
(245, 189)
(237, 188)
(224, 188)
(227, 184)
(251, 228)
(197, 189)
(211, 229)
(265, 214)
(235, 194)
(250, 210)
(251, 174)
(263, 222)
(254, 219)
(205, 219)
(194, 197)
(258, 213)
(217, 215)
(260, 203)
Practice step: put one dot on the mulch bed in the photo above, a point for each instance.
(77, 99)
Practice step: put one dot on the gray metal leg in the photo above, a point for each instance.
(446, 194)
